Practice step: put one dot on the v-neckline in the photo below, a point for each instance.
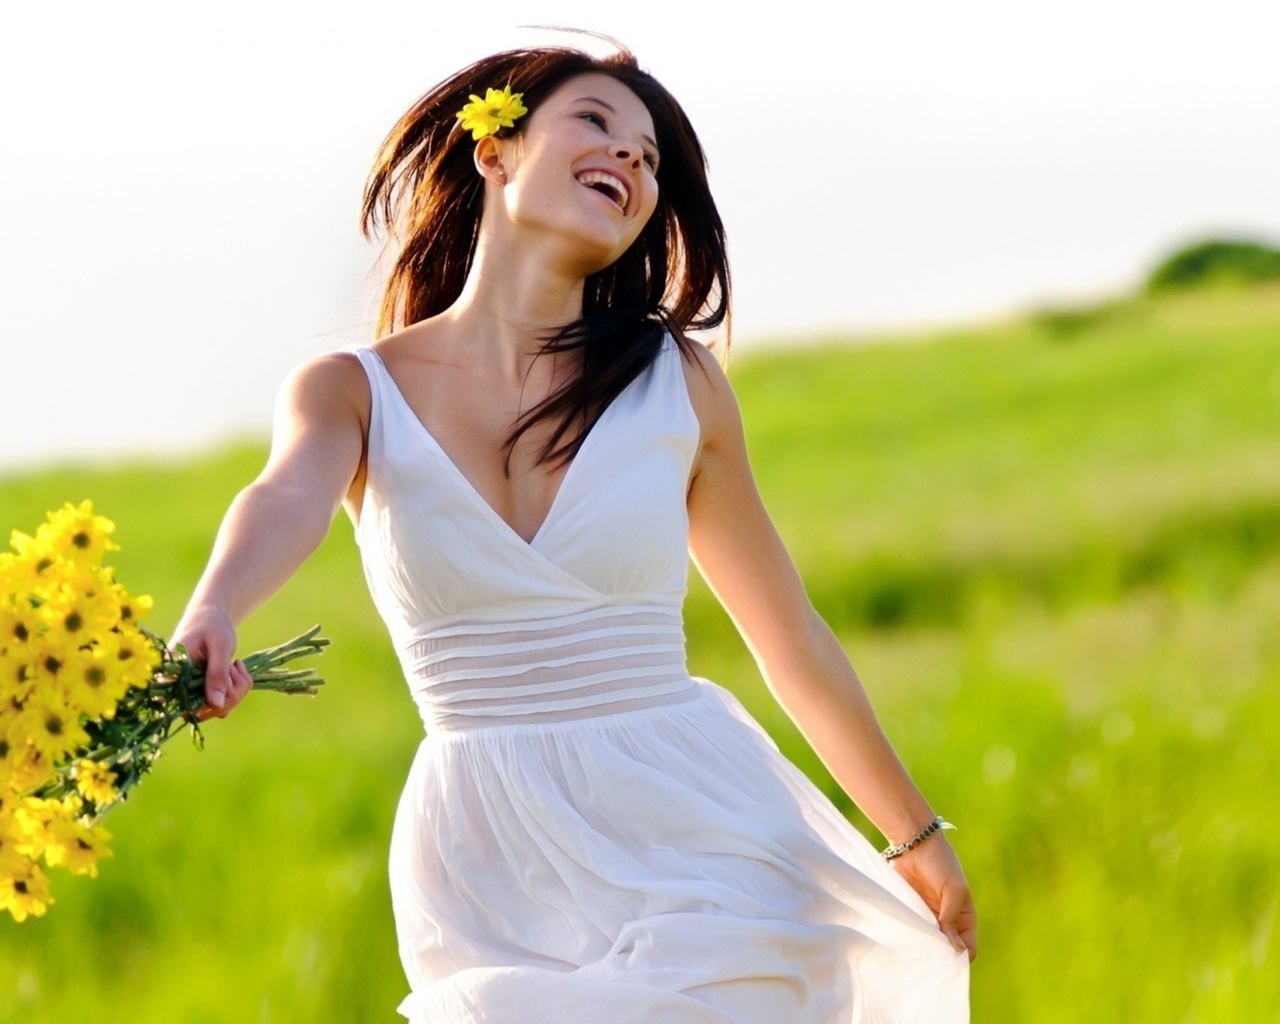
(469, 488)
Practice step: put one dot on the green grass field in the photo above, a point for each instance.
(1053, 555)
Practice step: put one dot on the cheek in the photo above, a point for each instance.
(649, 199)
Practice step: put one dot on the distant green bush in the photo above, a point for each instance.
(1062, 322)
(1213, 263)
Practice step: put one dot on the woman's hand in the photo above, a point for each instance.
(933, 870)
(209, 637)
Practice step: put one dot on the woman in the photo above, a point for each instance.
(528, 453)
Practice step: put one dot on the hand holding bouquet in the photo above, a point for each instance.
(88, 697)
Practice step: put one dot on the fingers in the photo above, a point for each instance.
(208, 636)
(226, 682)
(958, 920)
(934, 871)
(241, 682)
(218, 684)
(221, 702)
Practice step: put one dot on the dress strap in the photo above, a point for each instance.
(383, 407)
(672, 401)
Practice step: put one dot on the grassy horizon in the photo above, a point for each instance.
(1054, 558)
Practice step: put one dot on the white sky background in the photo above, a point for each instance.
(179, 183)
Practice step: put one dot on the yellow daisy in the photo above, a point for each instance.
(28, 570)
(18, 623)
(96, 782)
(17, 680)
(94, 683)
(135, 654)
(10, 830)
(499, 109)
(32, 817)
(76, 847)
(78, 535)
(29, 768)
(83, 606)
(129, 608)
(51, 727)
(24, 891)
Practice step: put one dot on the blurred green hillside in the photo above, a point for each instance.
(1054, 557)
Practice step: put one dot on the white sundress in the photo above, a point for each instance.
(588, 835)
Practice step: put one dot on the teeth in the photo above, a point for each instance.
(612, 182)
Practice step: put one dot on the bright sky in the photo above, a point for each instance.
(179, 181)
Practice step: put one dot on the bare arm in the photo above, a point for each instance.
(278, 520)
(741, 556)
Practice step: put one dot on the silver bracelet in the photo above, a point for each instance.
(937, 825)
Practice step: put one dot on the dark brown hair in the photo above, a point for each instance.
(425, 193)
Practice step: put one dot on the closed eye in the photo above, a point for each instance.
(595, 118)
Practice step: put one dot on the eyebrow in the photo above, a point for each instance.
(609, 107)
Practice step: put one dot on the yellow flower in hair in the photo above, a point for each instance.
(499, 109)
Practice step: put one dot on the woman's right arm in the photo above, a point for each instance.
(317, 458)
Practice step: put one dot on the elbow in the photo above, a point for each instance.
(802, 651)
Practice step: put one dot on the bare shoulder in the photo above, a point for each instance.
(712, 397)
(709, 391)
(324, 401)
(326, 398)
(321, 425)
(333, 381)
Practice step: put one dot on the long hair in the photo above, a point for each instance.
(425, 194)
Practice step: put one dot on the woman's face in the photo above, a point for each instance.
(583, 169)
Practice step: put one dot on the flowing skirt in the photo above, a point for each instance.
(657, 866)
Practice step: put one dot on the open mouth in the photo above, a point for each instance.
(608, 185)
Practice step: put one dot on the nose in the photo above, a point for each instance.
(627, 154)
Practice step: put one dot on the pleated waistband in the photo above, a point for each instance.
(602, 661)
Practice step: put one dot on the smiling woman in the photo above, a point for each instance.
(675, 279)
(529, 452)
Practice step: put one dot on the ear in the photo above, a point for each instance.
(488, 157)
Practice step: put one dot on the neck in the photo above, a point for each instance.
(514, 297)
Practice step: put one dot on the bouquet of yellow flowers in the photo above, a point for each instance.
(87, 699)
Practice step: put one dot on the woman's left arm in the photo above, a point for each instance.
(743, 560)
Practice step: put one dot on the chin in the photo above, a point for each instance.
(595, 255)
(586, 245)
